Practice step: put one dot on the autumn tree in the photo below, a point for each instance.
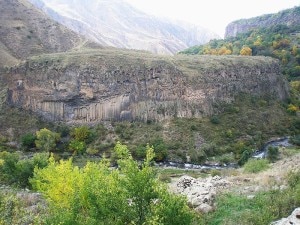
(246, 51)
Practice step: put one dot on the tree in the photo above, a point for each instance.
(46, 140)
(28, 141)
(97, 194)
(81, 133)
(246, 51)
(77, 146)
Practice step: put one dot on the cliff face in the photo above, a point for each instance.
(122, 85)
(289, 17)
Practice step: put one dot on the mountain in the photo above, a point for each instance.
(288, 17)
(118, 24)
(26, 31)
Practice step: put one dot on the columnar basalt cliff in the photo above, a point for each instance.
(111, 84)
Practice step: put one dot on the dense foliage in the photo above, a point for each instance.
(15, 170)
(279, 41)
(263, 208)
(97, 194)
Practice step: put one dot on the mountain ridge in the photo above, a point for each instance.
(118, 24)
(288, 17)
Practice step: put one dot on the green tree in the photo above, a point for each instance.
(77, 146)
(28, 141)
(272, 153)
(97, 194)
(46, 140)
(81, 133)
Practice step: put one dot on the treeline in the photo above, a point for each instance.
(279, 41)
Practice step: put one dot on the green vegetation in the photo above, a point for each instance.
(16, 171)
(96, 194)
(256, 165)
(262, 209)
(46, 140)
(231, 135)
(276, 41)
(18, 210)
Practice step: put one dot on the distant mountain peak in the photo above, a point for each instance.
(117, 23)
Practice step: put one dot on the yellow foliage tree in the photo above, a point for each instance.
(224, 51)
(294, 50)
(246, 51)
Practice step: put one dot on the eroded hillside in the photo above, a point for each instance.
(26, 31)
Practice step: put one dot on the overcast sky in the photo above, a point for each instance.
(212, 14)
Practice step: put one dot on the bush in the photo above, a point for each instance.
(272, 153)
(215, 172)
(256, 165)
(77, 147)
(28, 141)
(81, 134)
(15, 210)
(96, 194)
(160, 149)
(215, 120)
(17, 171)
(46, 140)
(294, 178)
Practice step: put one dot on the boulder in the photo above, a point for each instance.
(200, 192)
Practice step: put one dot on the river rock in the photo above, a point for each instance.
(200, 192)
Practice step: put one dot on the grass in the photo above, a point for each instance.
(171, 173)
(256, 165)
(264, 208)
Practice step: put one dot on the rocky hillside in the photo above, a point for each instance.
(110, 84)
(26, 31)
(289, 17)
(116, 23)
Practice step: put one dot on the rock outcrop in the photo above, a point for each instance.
(293, 219)
(111, 84)
(200, 192)
(289, 17)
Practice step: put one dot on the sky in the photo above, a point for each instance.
(212, 14)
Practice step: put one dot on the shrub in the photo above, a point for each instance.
(294, 178)
(17, 171)
(215, 120)
(256, 165)
(46, 140)
(76, 146)
(28, 141)
(96, 194)
(272, 153)
(15, 210)
(215, 172)
(296, 140)
(81, 134)
(160, 149)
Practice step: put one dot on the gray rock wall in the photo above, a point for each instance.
(136, 88)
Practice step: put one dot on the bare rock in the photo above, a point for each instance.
(293, 219)
(200, 193)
